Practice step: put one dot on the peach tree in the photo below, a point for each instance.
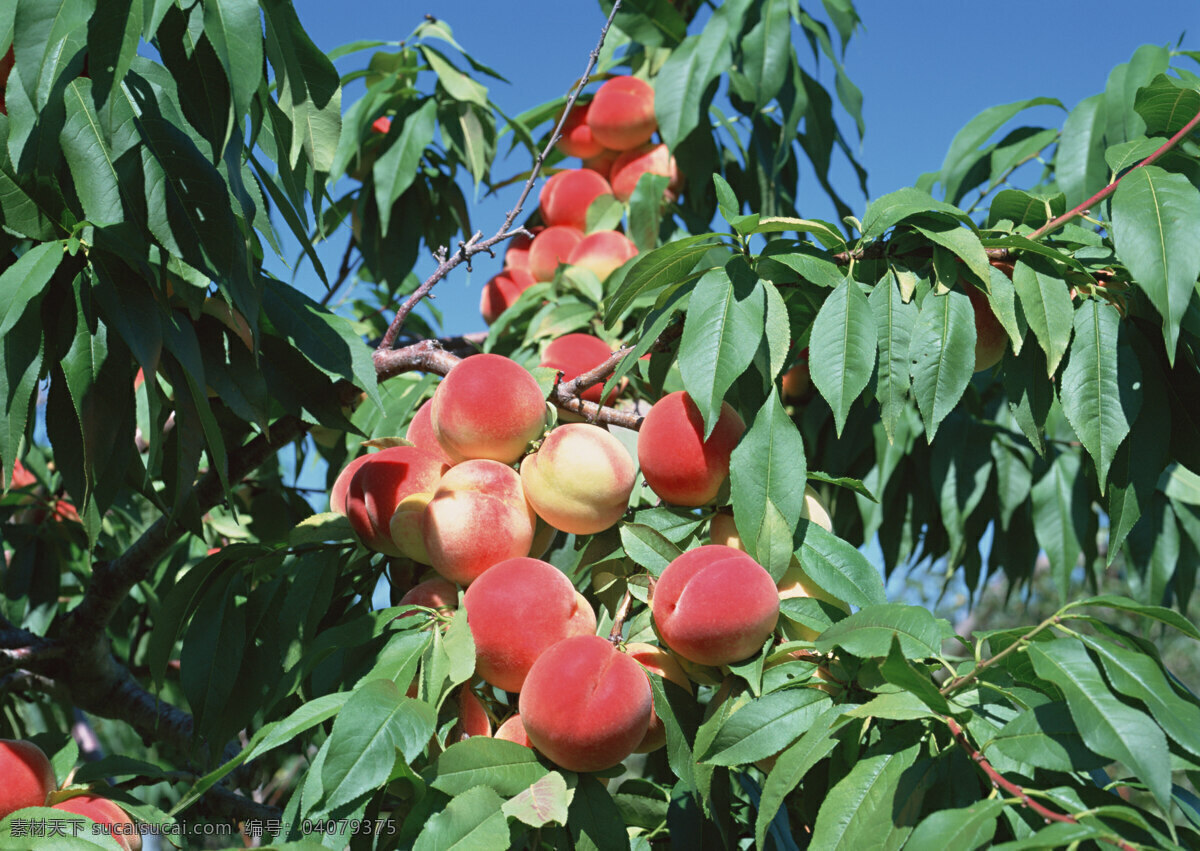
(993, 372)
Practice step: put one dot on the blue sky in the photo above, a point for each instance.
(925, 68)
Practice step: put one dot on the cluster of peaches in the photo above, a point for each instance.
(27, 780)
(455, 501)
(612, 136)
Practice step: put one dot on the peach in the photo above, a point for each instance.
(502, 291)
(6, 65)
(678, 463)
(512, 730)
(438, 594)
(715, 605)
(580, 479)
(421, 435)
(575, 354)
(585, 705)
(565, 198)
(796, 385)
(341, 485)
(28, 777)
(991, 340)
(576, 139)
(516, 610)
(550, 248)
(379, 486)
(602, 252)
(404, 528)
(648, 159)
(621, 114)
(106, 814)
(488, 407)
(660, 663)
(473, 719)
(517, 255)
(478, 517)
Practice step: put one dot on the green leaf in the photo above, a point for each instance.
(894, 323)
(648, 547)
(765, 467)
(964, 829)
(235, 29)
(897, 670)
(23, 283)
(1047, 305)
(839, 569)
(942, 353)
(1098, 394)
(472, 821)
(842, 348)
(212, 652)
(1060, 512)
(1159, 613)
(766, 50)
(868, 632)
(396, 169)
(48, 37)
(87, 155)
(653, 23)
(1156, 233)
(593, 818)
(22, 349)
(1166, 105)
(1108, 726)
(505, 766)
(1079, 164)
(893, 208)
(545, 801)
(721, 333)
(765, 726)
(111, 45)
(657, 269)
(858, 809)
(1046, 737)
(457, 84)
(963, 242)
(792, 766)
(1024, 208)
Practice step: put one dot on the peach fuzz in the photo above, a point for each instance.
(512, 730)
(421, 435)
(477, 518)
(341, 485)
(580, 479)
(28, 777)
(576, 139)
(518, 609)
(678, 463)
(565, 198)
(550, 248)
(489, 407)
(662, 664)
(106, 814)
(602, 252)
(502, 291)
(621, 114)
(575, 354)
(379, 486)
(715, 605)
(585, 705)
(648, 159)
(516, 256)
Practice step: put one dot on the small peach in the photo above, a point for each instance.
(678, 463)
(660, 663)
(575, 354)
(648, 159)
(602, 252)
(576, 139)
(580, 479)
(550, 249)
(502, 291)
(621, 114)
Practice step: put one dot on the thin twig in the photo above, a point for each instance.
(1020, 643)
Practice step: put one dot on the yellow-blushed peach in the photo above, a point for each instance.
(512, 730)
(421, 435)
(580, 479)
(438, 594)
(602, 252)
(678, 463)
(489, 407)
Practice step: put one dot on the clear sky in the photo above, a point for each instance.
(925, 68)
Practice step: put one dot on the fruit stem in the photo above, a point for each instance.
(618, 626)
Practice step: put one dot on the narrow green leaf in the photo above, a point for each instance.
(22, 283)
(457, 84)
(657, 269)
(396, 170)
(1079, 164)
(897, 670)
(472, 821)
(766, 50)
(112, 43)
(963, 829)
(1060, 517)
(765, 726)
(212, 652)
(1047, 305)
(839, 569)
(842, 348)
(893, 208)
(1159, 613)
(1046, 737)
(505, 766)
(47, 37)
(869, 632)
(86, 152)
(858, 809)
(791, 767)
(894, 323)
(942, 354)
(235, 29)
(963, 242)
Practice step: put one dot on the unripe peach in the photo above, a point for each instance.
(488, 407)
(379, 485)
(580, 479)
(715, 605)
(478, 517)
(621, 114)
(576, 139)
(421, 435)
(575, 354)
(550, 248)
(106, 814)
(602, 252)
(512, 730)
(679, 464)
(516, 610)
(26, 776)
(502, 291)
(585, 705)
(648, 159)
(517, 254)
(660, 663)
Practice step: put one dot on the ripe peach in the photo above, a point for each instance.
(379, 486)
(550, 248)
(660, 663)
(478, 517)
(580, 479)
(473, 719)
(512, 730)
(576, 139)
(437, 593)
(28, 777)
(517, 254)
(715, 605)
(621, 114)
(405, 526)
(602, 163)
(575, 354)
(648, 159)
(341, 485)
(516, 610)
(796, 385)
(502, 291)
(565, 198)
(585, 705)
(106, 814)
(991, 340)
(602, 252)
(488, 407)
(421, 435)
(679, 465)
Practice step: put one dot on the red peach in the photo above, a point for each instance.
(382, 125)
(28, 777)
(341, 485)
(477, 518)
(660, 663)
(567, 195)
(602, 252)
(585, 705)
(488, 407)
(576, 139)
(796, 386)
(421, 435)
(438, 594)
(648, 159)
(387, 478)
(6, 65)
(550, 248)
(517, 254)
(621, 114)
(473, 719)
(991, 340)
(679, 464)
(575, 354)
(516, 610)
(715, 605)
(106, 814)
(502, 291)
(512, 730)
(602, 163)
(580, 479)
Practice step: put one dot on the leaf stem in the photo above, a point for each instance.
(1019, 644)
